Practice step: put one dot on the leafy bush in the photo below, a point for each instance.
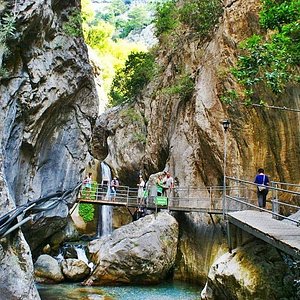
(166, 17)
(73, 26)
(7, 29)
(272, 61)
(201, 15)
(138, 18)
(86, 211)
(184, 87)
(129, 81)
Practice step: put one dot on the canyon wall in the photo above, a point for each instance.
(48, 107)
(162, 130)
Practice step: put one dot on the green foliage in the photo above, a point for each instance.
(276, 13)
(229, 97)
(86, 211)
(73, 26)
(130, 116)
(201, 15)
(129, 81)
(7, 29)
(184, 87)
(139, 137)
(138, 18)
(272, 61)
(166, 17)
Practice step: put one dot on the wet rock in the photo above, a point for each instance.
(75, 269)
(47, 270)
(254, 271)
(141, 252)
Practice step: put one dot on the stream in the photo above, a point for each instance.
(166, 291)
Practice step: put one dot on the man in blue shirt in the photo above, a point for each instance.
(262, 182)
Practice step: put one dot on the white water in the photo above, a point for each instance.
(106, 211)
(82, 256)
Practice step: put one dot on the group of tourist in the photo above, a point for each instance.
(110, 187)
(163, 185)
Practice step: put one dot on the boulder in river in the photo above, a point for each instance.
(142, 252)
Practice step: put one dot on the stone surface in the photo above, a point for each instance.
(47, 110)
(161, 130)
(254, 271)
(75, 269)
(142, 252)
(47, 270)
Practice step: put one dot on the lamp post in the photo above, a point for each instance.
(226, 125)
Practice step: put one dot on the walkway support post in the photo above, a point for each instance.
(226, 125)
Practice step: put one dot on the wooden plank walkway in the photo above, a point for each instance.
(132, 204)
(282, 235)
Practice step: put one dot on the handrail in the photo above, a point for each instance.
(269, 187)
(286, 183)
(286, 204)
(262, 209)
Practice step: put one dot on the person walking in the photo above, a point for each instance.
(262, 182)
(87, 185)
(113, 188)
(141, 186)
(169, 184)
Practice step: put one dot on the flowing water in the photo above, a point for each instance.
(166, 291)
(106, 210)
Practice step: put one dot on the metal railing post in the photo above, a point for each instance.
(127, 198)
(275, 204)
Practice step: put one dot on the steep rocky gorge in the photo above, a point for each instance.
(162, 130)
(48, 108)
(187, 135)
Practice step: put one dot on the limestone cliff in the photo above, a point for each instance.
(186, 135)
(48, 107)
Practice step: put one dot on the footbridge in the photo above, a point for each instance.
(277, 225)
(236, 202)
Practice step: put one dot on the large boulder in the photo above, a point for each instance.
(47, 270)
(75, 269)
(141, 252)
(254, 271)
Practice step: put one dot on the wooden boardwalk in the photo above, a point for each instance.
(280, 234)
(172, 206)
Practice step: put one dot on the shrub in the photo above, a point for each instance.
(184, 87)
(129, 81)
(166, 17)
(272, 61)
(86, 211)
(73, 26)
(201, 15)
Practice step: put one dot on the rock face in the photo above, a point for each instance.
(254, 271)
(200, 243)
(47, 270)
(186, 135)
(142, 252)
(75, 269)
(162, 130)
(48, 106)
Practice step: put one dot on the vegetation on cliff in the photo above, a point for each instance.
(271, 61)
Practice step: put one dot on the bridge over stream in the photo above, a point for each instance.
(236, 202)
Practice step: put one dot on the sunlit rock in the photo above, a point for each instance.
(47, 270)
(253, 271)
(141, 252)
(75, 269)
